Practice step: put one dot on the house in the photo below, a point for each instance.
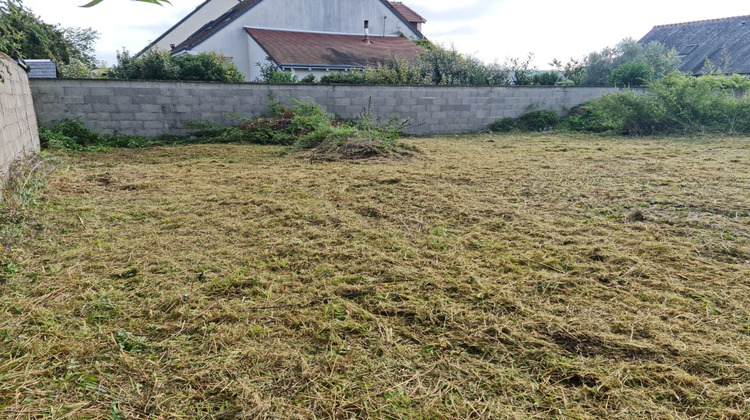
(302, 36)
(722, 41)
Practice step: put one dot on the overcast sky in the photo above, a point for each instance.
(490, 29)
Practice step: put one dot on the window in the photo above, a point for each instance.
(687, 50)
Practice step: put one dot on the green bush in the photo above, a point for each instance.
(677, 104)
(541, 120)
(73, 135)
(75, 130)
(538, 120)
(634, 73)
(549, 78)
(210, 67)
(158, 64)
(279, 76)
(49, 139)
(310, 78)
(504, 125)
(349, 78)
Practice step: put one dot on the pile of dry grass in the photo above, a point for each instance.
(354, 149)
(544, 277)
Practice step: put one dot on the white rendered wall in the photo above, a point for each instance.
(337, 16)
(204, 15)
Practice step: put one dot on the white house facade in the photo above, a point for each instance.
(309, 36)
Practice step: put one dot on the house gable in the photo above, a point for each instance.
(204, 12)
(339, 15)
(697, 41)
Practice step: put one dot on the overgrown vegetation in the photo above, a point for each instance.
(303, 126)
(156, 64)
(436, 65)
(677, 104)
(515, 277)
(629, 63)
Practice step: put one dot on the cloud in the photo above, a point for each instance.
(466, 12)
(461, 30)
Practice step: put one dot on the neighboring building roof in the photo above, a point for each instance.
(312, 49)
(243, 6)
(696, 41)
(41, 69)
(410, 15)
(213, 26)
(200, 6)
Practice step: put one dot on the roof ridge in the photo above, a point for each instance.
(701, 21)
(200, 6)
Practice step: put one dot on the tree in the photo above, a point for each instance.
(24, 35)
(573, 70)
(632, 73)
(600, 64)
(10, 37)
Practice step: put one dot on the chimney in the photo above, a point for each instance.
(367, 32)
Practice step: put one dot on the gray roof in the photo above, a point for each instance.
(696, 41)
(41, 69)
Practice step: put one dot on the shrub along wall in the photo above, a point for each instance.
(149, 108)
(18, 129)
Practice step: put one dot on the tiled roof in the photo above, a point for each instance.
(290, 49)
(41, 69)
(243, 6)
(706, 39)
(212, 27)
(200, 6)
(727, 19)
(410, 15)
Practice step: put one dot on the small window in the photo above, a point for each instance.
(687, 49)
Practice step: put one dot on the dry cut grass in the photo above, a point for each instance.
(486, 277)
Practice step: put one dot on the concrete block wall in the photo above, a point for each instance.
(152, 108)
(19, 134)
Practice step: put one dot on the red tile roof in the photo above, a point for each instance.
(288, 48)
(410, 15)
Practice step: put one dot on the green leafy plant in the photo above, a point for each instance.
(677, 104)
(600, 64)
(632, 73)
(549, 78)
(156, 64)
(24, 35)
(538, 120)
(504, 125)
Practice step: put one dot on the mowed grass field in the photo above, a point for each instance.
(484, 277)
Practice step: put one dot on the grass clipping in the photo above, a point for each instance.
(534, 277)
(323, 138)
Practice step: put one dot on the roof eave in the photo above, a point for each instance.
(402, 18)
(149, 46)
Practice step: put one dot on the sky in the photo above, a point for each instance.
(491, 30)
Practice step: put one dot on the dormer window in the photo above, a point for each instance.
(687, 50)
